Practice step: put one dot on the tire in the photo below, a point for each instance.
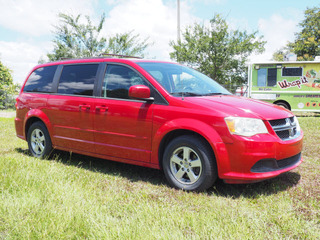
(189, 164)
(39, 141)
(283, 104)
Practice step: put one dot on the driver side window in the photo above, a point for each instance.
(117, 81)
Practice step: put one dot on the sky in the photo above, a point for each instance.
(27, 26)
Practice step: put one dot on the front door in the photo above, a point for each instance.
(122, 126)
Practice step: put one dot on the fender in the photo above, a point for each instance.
(203, 129)
(38, 114)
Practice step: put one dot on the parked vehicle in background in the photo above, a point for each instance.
(156, 114)
(294, 85)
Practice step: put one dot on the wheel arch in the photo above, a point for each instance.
(174, 134)
(183, 127)
(36, 115)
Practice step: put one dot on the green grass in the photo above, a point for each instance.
(78, 197)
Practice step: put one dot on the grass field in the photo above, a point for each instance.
(72, 196)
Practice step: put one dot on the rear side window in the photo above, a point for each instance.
(40, 80)
(78, 79)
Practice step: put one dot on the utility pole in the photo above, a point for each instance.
(178, 20)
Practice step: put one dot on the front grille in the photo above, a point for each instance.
(278, 122)
(286, 128)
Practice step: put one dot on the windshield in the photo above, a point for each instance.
(178, 79)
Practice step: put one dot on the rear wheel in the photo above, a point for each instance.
(39, 141)
(283, 104)
(189, 164)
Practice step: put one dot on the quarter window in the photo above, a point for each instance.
(41, 80)
(117, 81)
(78, 79)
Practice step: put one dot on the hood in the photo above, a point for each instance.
(230, 105)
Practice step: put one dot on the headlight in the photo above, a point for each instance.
(245, 126)
(297, 124)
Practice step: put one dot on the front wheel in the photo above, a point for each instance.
(189, 164)
(39, 141)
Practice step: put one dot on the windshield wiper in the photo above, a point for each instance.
(186, 93)
(213, 94)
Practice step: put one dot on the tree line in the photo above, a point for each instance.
(214, 49)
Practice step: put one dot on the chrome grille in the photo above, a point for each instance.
(286, 128)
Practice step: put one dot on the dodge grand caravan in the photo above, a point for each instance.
(156, 114)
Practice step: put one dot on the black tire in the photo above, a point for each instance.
(283, 104)
(189, 164)
(39, 141)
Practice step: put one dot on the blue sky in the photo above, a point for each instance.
(26, 26)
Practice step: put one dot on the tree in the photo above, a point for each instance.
(127, 44)
(217, 51)
(307, 42)
(74, 39)
(279, 55)
(7, 87)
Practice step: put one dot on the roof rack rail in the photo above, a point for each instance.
(117, 55)
(99, 56)
(64, 58)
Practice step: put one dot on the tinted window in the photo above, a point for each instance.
(272, 77)
(291, 72)
(40, 80)
(78, 79)
(117, 81)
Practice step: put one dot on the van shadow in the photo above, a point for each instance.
(272, 186)
(131, 172)
(156, 177)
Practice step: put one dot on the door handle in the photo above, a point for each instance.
(84, 107)
(101, 108)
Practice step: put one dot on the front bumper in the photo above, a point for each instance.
(260, 157)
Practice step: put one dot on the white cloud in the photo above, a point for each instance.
(208, 1)
(21, 57)
(277, 32)
(36, 17)
(151, 19)
(154, 19)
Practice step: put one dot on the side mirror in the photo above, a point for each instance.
(140, 92)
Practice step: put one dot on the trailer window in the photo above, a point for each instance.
(292, 72)
(262, 77)
(272, 77)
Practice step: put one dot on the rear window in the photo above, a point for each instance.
(78, 79)
(40, 80)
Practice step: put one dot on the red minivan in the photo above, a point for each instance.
(156, 114)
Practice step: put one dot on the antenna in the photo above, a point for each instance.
(178, 20)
